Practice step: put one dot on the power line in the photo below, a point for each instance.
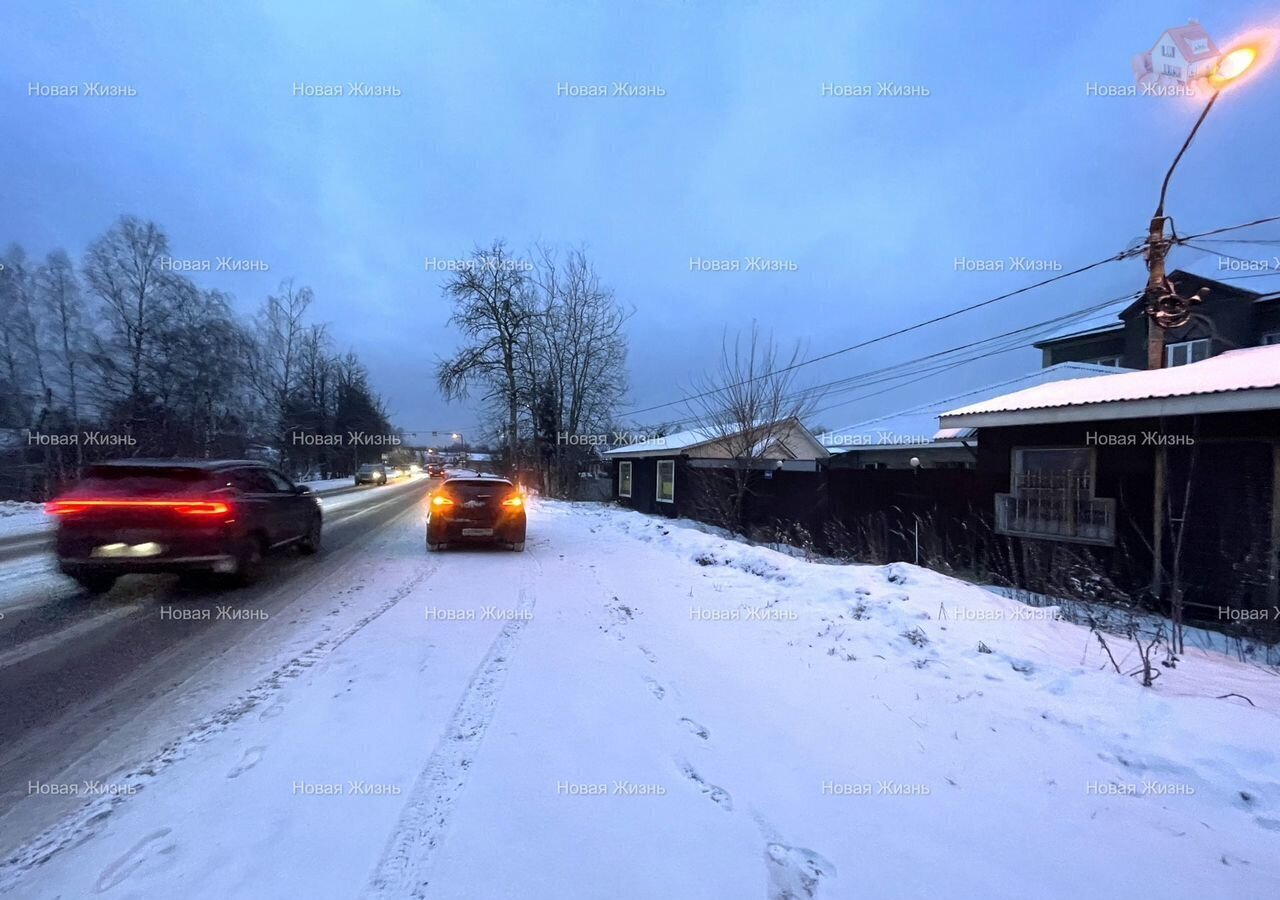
(1123, 254)
(1192, 237)
(905, 369)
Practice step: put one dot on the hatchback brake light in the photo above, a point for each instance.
(513, 500)
(441, 500)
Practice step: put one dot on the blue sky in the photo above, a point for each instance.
(872, 198)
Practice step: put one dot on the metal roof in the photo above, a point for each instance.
(1220, 382)
(918, 426)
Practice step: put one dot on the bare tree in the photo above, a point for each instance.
(749, 408)
(492, 310)
(59, 289)
(125, 269)
(277, 366)
(575, 363)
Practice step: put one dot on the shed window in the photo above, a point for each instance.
(1052, 497)
(1106, 361)
(1272, 338)
(624, 478)
(666, 481)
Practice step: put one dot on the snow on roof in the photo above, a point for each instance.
(1254, 371)
(684, 440)
(678, 440)
(919, 425)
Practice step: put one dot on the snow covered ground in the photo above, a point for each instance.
(636, 708)
(18, 517)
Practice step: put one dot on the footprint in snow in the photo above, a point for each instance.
(648, 654)
(718, 795)
(272, 711)
(795, 872)
(151, 852)
(695, 729)
(251, 758)
(654, 688)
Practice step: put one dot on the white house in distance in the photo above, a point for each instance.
(1181, 56)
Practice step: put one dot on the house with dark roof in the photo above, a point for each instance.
(1227, 318)
(1167, 479)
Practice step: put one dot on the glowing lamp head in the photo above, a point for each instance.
(440, 500)
(1232, 66)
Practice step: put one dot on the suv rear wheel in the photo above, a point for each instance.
(248, 561)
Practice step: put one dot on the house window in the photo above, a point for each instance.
(1172, 71)
(1052, 497)
(624, 478)
(666, 481)
(1166, 50)
(1272, 338)
(1105, 361)
(1185, 352)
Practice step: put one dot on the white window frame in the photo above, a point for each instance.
(657, 487)
(624, 465)
(1190, 347)
(1271, 337)
(1106, 361)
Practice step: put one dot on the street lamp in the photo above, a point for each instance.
(1164, 308)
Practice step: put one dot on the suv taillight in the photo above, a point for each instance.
(182, 507)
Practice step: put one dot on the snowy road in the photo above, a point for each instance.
(631, 708)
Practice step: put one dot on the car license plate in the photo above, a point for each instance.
(477, 532)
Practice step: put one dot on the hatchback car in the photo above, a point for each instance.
(371, 473)
(476, 510)
(181, 516)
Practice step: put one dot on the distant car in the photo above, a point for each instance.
(469, 510)
(371, 473)
(394, 472)
(435, 471)
(182, 516)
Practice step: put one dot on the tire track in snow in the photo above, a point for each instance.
(83, 823)
(405, 867)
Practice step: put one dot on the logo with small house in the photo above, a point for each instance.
(1180, 57)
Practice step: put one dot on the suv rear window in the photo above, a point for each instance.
(140, 481)
(367, 468)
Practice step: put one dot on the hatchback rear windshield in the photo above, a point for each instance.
(370, 468)
(121, 481)
(479, 487)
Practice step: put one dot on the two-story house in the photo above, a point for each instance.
(1179, 57)
(1228, 318)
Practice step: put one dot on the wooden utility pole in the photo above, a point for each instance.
(1157, 289)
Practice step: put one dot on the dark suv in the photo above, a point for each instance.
(371, 473)
(180, 516)
(467, 510)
